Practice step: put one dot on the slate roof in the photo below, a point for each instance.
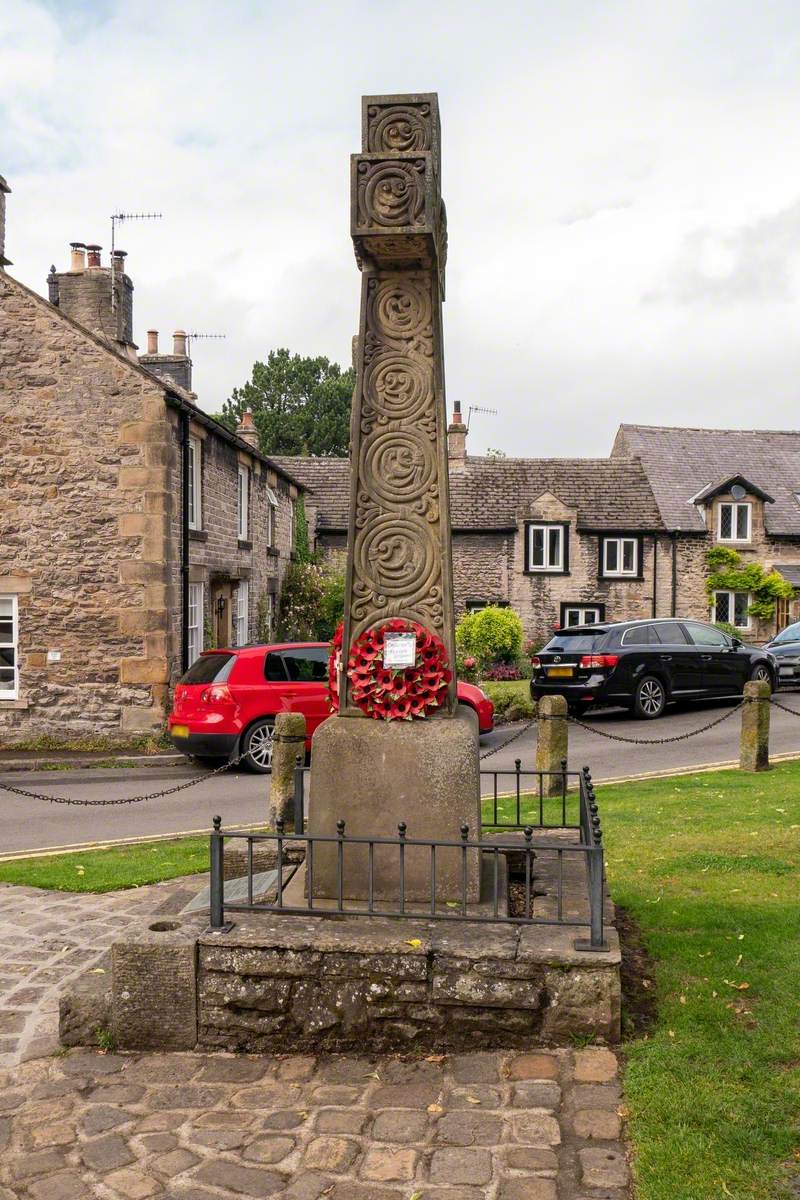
(680, 463)
(608, 493)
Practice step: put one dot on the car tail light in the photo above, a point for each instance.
(218, 693)
(598, 662)
(536, 661)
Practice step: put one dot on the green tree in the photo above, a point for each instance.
(299, 405)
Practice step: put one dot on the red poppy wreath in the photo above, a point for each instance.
(391, 694)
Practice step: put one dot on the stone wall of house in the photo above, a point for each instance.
(216, 556)
(83, 528)
(480, 567)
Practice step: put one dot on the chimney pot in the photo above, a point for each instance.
(152, 341)
(179, 343)
(77, 258)
(246, 429)
(93, 254)
(119, 257)
(457, 440)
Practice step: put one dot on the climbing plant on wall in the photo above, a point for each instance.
(729, 574)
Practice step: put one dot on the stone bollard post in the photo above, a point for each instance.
(551, 743)
(288, 741)
(754, 745)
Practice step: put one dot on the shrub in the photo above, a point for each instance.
(467, 667)
(491, 635)
(312, 602)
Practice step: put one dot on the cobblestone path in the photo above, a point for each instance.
(46, 938)
(501, 1126)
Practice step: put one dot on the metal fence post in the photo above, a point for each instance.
(299, 794)
(595, 940)
(216, 903)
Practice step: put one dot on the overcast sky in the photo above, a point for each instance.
(622, 184)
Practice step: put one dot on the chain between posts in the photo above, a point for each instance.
(614, 737)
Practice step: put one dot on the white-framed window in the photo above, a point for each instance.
(195, 483)
(243, 503)
(732, 608)
(734, 522)
(242, 612)
(272, 511)
(9, 649)
(581, 614)
(196, 618)
(547, 547)
(620, 556)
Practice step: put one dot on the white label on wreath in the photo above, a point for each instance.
(399, 649)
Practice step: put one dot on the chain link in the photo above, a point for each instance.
(170, 791)
(614, 737)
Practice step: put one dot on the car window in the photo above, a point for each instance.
(706, 635)
(307, 665)
(790, 634)
(640, 635)
(209, 668)
(575, 643)
(670, 633)
(274, 670)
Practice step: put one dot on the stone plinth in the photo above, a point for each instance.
(154, 986)
(372, 775)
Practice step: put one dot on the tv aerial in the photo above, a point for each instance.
(478, 408)
(119, 218)
(203, 337)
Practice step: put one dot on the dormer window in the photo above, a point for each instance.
(734, 521)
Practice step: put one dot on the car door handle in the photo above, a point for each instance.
(665, 657)
(706, 657)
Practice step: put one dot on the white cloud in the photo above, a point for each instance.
(596, 156)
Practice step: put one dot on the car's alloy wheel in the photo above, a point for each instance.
(258, 747)
(650, 699)
(761, 674)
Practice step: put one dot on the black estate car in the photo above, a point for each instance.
(643, 665)
(785, 649)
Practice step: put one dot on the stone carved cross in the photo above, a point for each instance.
(399, 554)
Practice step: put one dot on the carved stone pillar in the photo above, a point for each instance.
(424, 772)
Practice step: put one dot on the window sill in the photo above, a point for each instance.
(545, 571)
(13, 705)
(198, 535)
(272, 552)
(244, 544)
(621, 578)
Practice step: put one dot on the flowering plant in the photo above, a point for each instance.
(392, 694)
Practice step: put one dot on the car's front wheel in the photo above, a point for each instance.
(650, 698)
(257, 747)
(762, 674)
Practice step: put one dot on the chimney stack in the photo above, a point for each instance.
(83, 293)
(77, 257)
(4, 191)
(246, 430)
(457, 440)
(172, 368)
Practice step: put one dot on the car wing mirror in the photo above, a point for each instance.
(736, 643)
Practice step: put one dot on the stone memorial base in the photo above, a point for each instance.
(374, 774)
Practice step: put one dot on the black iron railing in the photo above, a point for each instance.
(350, 869)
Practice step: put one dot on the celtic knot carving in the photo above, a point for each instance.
(398, 386)
(400, 307)
(391, 194)
(399, 128)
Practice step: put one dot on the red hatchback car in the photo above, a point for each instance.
(225, 704)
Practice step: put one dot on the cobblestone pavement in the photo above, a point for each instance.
(46, 938)
(500, 1126)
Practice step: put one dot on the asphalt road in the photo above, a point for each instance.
(241, 798)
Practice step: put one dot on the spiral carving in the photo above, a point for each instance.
(400, 306)
(402, 128)
(399, 466)
(396, 556)
(391, 194)
(398, 387)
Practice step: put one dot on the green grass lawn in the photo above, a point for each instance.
(107, 870)
(503, 695)
(708, 865)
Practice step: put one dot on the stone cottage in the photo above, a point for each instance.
(571, 541)
(134, 528)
